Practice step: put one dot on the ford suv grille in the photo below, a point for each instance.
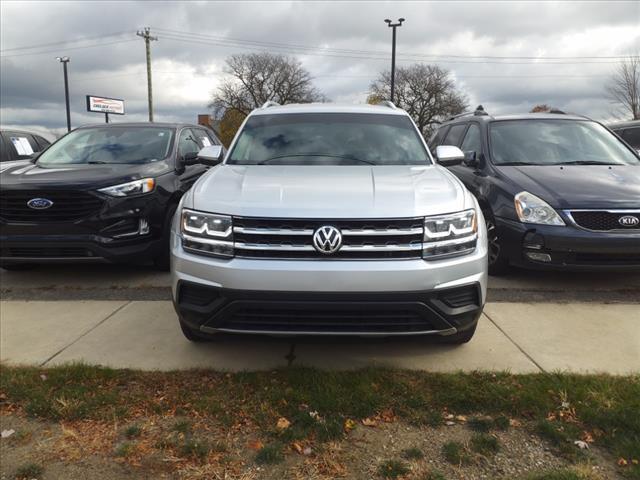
(361, 239)
(66, 205)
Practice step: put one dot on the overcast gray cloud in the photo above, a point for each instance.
(195, 38)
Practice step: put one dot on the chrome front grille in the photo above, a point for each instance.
(361, 239)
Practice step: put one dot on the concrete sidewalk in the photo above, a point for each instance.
(518, 337)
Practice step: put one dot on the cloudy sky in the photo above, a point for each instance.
(508, 56)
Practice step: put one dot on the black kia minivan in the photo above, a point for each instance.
(102, 193)
(557, 191)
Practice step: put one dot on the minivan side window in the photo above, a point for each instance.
(472, 140)
(454, 135)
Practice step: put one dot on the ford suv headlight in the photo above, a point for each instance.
(207, 233)
(136, 187)
(532, 209)
(450, 235)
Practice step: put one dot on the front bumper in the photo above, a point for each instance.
(324, 297)
(121, 230)
(567, 248)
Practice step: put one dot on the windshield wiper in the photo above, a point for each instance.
(510, 164)
(585, 162)
(264, 162)
(96, 162)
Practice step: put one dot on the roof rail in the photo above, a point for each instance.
(387, 103)
(270, 103)
(478, 112)
(557, 110)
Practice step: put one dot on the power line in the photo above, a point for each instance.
(106, 35)
(230, 41)
(67, 49)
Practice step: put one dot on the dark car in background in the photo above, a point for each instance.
(628, 131)
(557, 191)
(101, 193)
(18, 145)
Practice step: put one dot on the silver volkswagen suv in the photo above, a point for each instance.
(329, 220)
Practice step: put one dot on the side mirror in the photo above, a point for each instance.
(34, 156)
(448, 155)
(471, 159)
(190, 158)
(211, 155)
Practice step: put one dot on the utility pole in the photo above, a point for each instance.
(64, 61)
(146, 34)
(393, 53)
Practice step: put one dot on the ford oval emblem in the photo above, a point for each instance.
(39, 203)
(629, 221)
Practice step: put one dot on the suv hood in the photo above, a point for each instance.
(329, 191)
(579, 186)
(30, 176)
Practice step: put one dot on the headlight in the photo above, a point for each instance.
(450, 235)
(136, 187)
(532, 209)
(207, 233)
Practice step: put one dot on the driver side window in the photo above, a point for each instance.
(187, 143)
(472, 141)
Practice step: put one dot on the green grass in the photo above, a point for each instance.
(270, 454)
(29, 471)
(393, 469)
(456, 453)
(484, 444)
(412, 453)
(124, 449)
(195, 447)
(132, 431)
(608, 404)
(182, 426)
(434, 475)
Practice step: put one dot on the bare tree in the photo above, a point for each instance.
(623, 87)
(541, 108)
(426, 92)
(258, 77)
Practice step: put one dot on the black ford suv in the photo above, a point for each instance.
(100, 193)
(558, 191)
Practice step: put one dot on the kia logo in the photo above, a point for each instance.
(327, 240)
(39, 203)
(629, 221)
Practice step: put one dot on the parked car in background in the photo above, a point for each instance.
(330, 220)
(557, 191)
(19, 146)
(629, 132)
(100, 193)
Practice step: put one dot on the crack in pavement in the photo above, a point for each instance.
(85, 333)
(290, 357)
(531, 359)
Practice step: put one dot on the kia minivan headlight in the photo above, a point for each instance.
(207, 233)
(450, 235)
(532, 209)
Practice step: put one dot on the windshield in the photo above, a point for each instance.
(556, 142)
(329, 139)
(109, 145)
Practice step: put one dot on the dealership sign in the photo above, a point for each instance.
(105, 105)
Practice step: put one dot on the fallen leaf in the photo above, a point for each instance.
(449, 423)
(461, 418)
(369, 422)
(635, 461)
(283, 423)
(581, 445)
(587, 437)
(43, 377)
(387, 416)
(315, 415)
(297, 447)
(622, 462)
(514, 423)
(349, 425)
(255, 445)
(449, 416)
(7, 433)
(306, 451)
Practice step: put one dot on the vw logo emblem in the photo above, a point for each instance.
(327, 239)
(39, 203)
(629, 221)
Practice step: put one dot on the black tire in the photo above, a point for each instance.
(17, 267)
(458, 338)
(498, 262)
(192, 335)
(162, 259)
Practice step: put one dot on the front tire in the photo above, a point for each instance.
(498, 262)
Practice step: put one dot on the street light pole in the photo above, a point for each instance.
(64, 61)
(393, 53)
